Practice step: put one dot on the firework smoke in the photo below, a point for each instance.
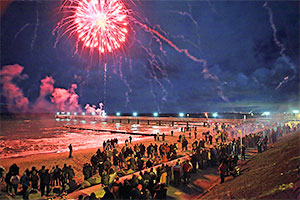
(46, 89)
(13, 94)
(94, 110)
(66, 100)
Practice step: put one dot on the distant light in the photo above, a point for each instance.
(68, 113)
(118, 114)
(266, 113)
(93, 113)
(83, 113)
(57, 113)
(181, 114)
(75, 113)
(134, 114)
(215, 114)
(63, 113)
(295, 111)
(188, 115)
(155, 114)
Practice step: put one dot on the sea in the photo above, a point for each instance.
(23, 135)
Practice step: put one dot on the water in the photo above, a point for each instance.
(27, 135)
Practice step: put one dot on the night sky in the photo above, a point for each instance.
(251, 51)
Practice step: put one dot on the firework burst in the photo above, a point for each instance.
(98, 24)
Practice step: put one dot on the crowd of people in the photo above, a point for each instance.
(150, 162)
(42, 180)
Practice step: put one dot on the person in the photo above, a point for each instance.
(130, 139)
(70, 151)
(177, 169)
(2, 173)
(47, 179)
(108, 194)
(25, 184)
(222, 170)
(186, 172)
(210, 137)
(15, 180)
(243, 152)
(172, 133)
(163, 137)
(195, 133)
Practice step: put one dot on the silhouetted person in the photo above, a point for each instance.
(130, 139)
(25, 184)
(70, 151)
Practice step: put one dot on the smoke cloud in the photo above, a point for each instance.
(66, 100)
(13, 94)
(93, 109)
(42, 104)
(61, 99)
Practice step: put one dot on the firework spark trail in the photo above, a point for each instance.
(185, 51)
(154, 63)
(35, 28)
(127, 85)
(205, 71)
(154, 96)
(186, 14)
(26, 25)
(104, 90)
(280, 45)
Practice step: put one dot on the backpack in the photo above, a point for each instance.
(15, 180)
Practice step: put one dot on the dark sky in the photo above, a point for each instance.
(255, 64)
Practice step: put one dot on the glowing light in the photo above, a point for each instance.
(99, 24)
(134, 114)
(266, 113)
(181, 114)
(118, 114)
(63, 113)
(83, 113)
(57, 113)
(215, 115)
(155, 114)
(75, 113)
(295, 111)
(93, 113)
(206, 115)
(68, 113)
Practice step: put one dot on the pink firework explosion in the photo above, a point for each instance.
(98, 24)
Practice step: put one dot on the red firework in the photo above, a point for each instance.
(98, 24)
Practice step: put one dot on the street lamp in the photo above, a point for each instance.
(215, 115)
(155, 114)
(181, 114)
(134, 114)
(118, 114)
